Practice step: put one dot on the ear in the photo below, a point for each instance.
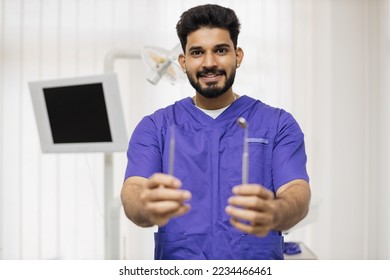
(239, 57)
(182, 62)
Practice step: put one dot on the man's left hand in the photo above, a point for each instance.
(252, 209)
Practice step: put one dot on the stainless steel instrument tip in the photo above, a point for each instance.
(242, 122)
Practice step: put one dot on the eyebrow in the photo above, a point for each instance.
(224, 45)
(195, 48)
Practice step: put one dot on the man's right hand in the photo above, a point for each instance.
(162, 199)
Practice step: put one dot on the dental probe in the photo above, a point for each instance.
(172, 150)
(244, 125)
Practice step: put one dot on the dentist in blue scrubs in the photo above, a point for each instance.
(202, 210)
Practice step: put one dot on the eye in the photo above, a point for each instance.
(196, 53)
(222, 50)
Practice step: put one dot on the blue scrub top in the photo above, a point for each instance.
(208, 160)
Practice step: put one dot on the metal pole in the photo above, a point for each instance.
(112, 202)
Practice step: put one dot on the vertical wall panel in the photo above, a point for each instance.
(86, 31)
(104, 21)
(383, 246)
(285, 67)
(89, 235)
(297, 94)
(377, 130)
(121, 20)
(1, 130)
(315, 80)
(271, 45)
(69, 212)
(384, 90)
(49, 195)
(371, 118)
(12, 128)
(304, 43)
(91, 173)
(30, 154)
(348, 144)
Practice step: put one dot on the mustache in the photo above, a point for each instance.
(210, 71)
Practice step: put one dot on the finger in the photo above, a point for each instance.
(162, 208)
(251, 202)
(161, 194)
(258, 230)
(253, 189)
(181, 211)
(160, 179)
(253, 217)
(161, 220)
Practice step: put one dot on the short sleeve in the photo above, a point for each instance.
(289, 156)
(143, 154)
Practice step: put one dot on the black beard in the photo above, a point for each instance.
(212, 90)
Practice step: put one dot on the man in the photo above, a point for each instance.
(204, 211)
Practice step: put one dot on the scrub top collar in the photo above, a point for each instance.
(233, 111)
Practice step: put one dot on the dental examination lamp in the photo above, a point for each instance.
(162, 63)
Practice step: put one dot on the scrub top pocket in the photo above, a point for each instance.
(266, 248)
(170, 246)
(260, 161)
(178, 246)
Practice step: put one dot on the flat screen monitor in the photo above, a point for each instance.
(81, 114)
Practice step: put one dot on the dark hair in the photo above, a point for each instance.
(210, 16)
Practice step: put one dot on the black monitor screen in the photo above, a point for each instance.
(77, 114)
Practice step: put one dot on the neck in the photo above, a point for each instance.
(214, 103)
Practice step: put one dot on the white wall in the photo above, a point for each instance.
(325, 61)
(1, 139)
(379, 198)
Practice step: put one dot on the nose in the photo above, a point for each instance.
(209, 60)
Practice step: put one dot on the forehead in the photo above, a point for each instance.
(208, 38)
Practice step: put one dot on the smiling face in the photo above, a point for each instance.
(210, 61)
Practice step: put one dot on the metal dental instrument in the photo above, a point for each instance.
(245, 167)
(172, 150)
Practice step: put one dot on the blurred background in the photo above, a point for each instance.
(325, 61)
